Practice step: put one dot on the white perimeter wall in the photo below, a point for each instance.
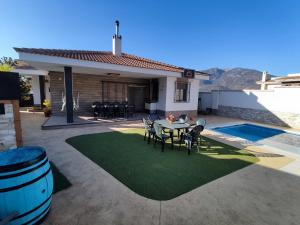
(206, 100)
(279, 99)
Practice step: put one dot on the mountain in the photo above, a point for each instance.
(232, 79)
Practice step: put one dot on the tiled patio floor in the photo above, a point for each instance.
(264, 193)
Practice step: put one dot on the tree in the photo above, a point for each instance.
(24, 85)
(6, 64)
(5, 67)
(8, 61)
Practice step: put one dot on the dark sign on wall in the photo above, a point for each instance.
(9, 86)
(2, 109)
(188, 74)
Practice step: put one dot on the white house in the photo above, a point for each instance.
(89, 76)
(291, 80)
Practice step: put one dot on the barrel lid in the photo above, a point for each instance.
(17, 158)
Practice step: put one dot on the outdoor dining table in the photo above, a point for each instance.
(176, 125)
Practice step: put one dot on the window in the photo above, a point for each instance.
(182, 91)
(153, 95)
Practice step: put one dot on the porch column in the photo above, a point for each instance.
(69, 93)
(42, 89)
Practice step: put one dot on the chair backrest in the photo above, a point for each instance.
(96, 104)
(158, 130)
(195, 132)
(201, 122)
(105, 104)
(146, 125)
(183, 118)
(116, 104)
(121, 106)
(154, 117)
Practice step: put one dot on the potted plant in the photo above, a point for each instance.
(171, 118)
(47, 108)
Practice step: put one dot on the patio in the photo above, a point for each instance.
(263, 193)
(58, 122)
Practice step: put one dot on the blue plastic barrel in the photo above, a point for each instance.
(26, 185)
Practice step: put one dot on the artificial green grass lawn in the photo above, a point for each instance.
(60, 181)
(155, 174)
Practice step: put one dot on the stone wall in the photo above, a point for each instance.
(275, 118)
(7, 129)
(88, 86)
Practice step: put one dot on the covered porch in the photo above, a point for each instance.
(101, 97)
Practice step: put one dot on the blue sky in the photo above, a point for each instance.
(259, 34)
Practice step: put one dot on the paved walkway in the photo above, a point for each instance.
(264, 193)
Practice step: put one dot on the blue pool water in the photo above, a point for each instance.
(249, 131)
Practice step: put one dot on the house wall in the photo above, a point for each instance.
(178, 108)
(89, 88)
(278, 106)
(162, 95)
(35, 88)
(166, 103)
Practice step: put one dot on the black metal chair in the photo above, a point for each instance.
(200, 121)
(122, 112)
(105, 109)
(116, 106)
(192, 137)
(110, 110)
(96, 109)
(125, 108)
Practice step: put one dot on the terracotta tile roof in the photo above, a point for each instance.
(104, 57)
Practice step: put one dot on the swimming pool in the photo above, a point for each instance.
(249, 131)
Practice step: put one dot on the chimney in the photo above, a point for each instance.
(117, 41)
(265, 77)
